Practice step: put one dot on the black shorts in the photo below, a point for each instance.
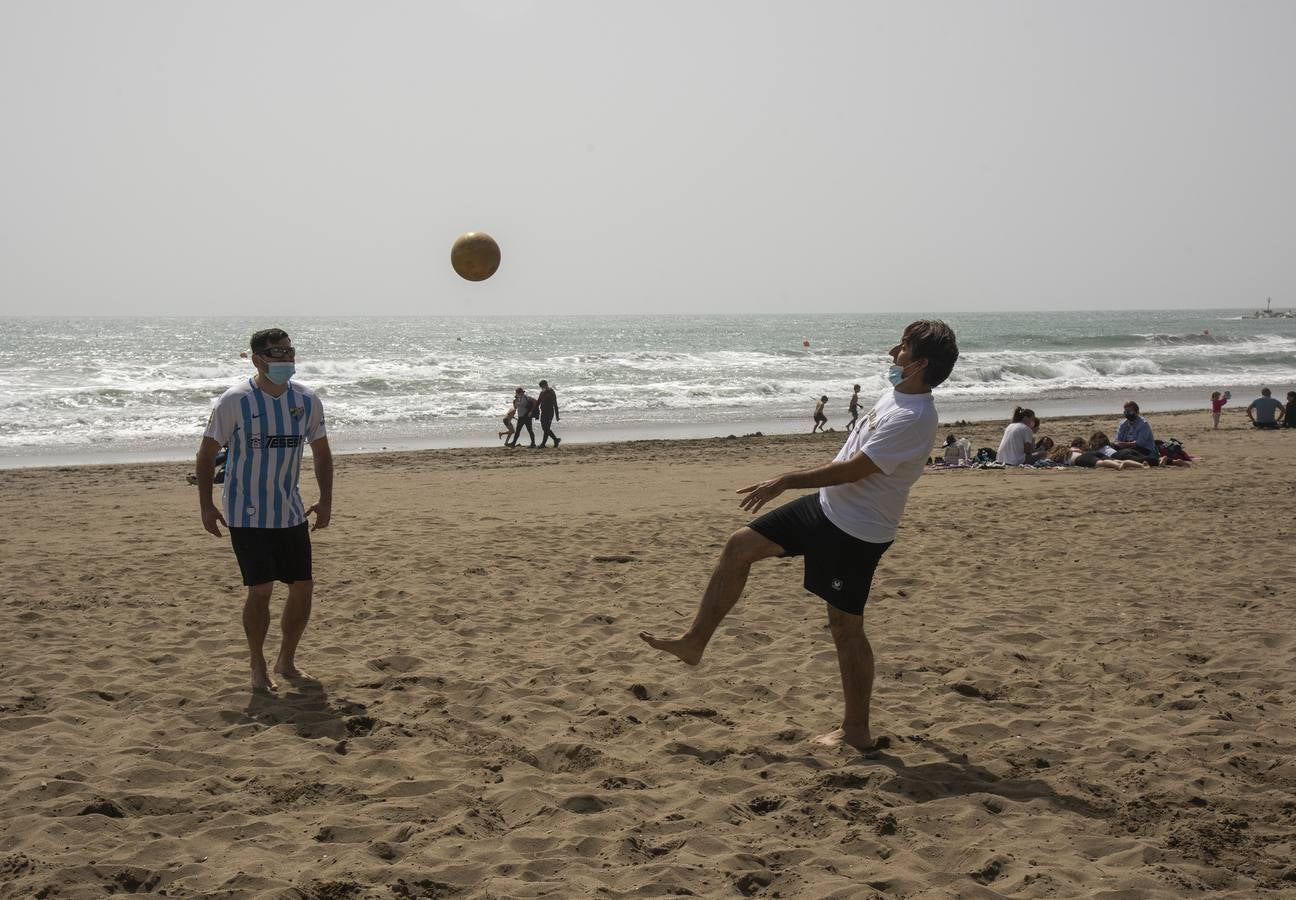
(839, 568)
(273, 554)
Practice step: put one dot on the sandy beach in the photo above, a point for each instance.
(1086, 683)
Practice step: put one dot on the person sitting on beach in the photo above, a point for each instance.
(1265, 411)
(1289, 412)
(950, 451)
(508, 423)
(843, 529)
(219, 463)
(820, 420)
(854, 408)
(1018, 442)
(1217, 403)
(1043, 448)
(1134, 437)
(1173, 454)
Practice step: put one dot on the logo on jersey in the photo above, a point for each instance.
(838, 584)
(297, 411)
(273, 441)
(872, 419)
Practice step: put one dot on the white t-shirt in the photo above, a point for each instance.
(1012, 449)
(897, 435)
(266, 436)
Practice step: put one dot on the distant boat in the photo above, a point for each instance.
(1268, 312)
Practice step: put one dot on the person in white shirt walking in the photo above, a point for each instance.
(267, 421)
(843, 530)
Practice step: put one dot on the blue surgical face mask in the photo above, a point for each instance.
(280, 372)
(896, 375)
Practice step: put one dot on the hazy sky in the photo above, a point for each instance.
(235, 157)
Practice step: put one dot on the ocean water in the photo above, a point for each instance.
(113, 389)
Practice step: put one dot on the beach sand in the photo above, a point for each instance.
(1086, 679)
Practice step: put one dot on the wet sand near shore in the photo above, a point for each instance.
(1086, 683)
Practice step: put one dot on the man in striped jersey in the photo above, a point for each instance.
(266, 421)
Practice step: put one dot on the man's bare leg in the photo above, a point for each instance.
(295, 616)
(256, 622)
(855, 660)
(743, 548)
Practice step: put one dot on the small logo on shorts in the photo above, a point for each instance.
(838, 584)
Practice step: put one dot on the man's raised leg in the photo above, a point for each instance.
(256, 622)
(855, 660)
(743, 548)
(295, 616)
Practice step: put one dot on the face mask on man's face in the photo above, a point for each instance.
(280, 372)
(1131, 415)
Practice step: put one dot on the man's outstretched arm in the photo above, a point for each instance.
(838, 472)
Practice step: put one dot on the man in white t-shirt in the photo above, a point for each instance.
(266, 421)
(843, 530)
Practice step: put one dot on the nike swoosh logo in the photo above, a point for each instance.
(256, 415)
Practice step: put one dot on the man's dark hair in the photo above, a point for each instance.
(544, 383)
(1130, 404)
(932, 340)
(265, 337)
(1264, 391)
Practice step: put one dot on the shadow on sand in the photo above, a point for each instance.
(957, 776)
(304, 704)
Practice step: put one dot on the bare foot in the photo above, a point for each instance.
(682, 648)
(859, 738)
(290, 672)
(261, 681)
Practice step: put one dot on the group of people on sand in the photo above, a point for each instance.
(1134, 446)
(525, 409)
(821, 417)
(842, 528)
(1264, 412)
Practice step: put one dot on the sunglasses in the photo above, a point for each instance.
(279, 352)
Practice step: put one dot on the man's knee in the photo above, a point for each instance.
(746, 545)
(303, 588)
(844, 625)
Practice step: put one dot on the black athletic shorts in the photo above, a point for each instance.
(839, 568)
(273, 554)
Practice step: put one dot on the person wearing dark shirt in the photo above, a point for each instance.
(524, 404)
(1265, 411)
(548, 400)
(1289, 417)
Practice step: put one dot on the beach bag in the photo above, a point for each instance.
(986, 454)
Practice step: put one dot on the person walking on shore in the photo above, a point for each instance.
(266, 421)
(523, 403)
(820, 420)
(854, 409)
(548, 401)
(844, 528)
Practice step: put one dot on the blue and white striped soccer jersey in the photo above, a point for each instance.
(265, 436)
